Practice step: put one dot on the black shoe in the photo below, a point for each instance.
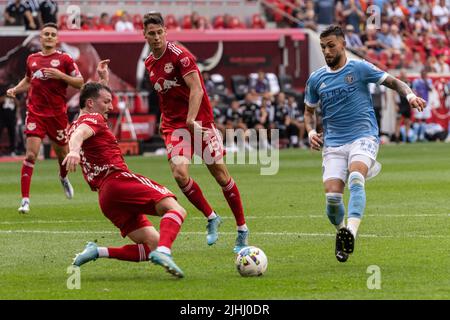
(347, 240)
(341, 256)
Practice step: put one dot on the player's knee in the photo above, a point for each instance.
(356, 179)
(30, 156)
(180, 176)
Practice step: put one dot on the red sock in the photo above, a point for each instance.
(195, 195)
(62, 170)
(130, 252)
(169, 227)
(25, 180)
(231, 193)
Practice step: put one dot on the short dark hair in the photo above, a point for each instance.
(91, 90)
(51, 25)
(333, 30)
(153, 18)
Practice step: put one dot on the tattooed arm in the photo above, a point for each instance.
(315, 139)
(405, 91)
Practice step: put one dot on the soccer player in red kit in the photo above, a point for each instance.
(187, 114)
(125, 198)
(49, 73)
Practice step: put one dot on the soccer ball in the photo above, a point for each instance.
(251, 261)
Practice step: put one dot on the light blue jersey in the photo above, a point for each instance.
(347, 110)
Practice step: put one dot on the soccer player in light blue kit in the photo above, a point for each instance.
(350, 131)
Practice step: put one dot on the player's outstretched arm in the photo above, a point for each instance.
(315, 139)
(405, 91)
(77, 138)
(22, 86)
(103, 72)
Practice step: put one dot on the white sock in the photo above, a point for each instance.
(242, 228)
(353, 225)
(103, 252)
(25, 199)
(164, 250)
(212, 215)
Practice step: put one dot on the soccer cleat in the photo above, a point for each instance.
(341, 256)
(165, 260)
(347, 240)
(241, 241)
(89, 253)
(24, 206)
(68, 190)
(212, 227)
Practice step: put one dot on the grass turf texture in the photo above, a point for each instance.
(405, 232)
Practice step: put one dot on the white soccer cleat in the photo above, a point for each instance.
(24, 206)
(68, 189)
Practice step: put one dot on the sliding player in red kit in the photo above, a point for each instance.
(125, 197)
(187, 118)
(49, 73)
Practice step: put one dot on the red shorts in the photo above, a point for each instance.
(54, 127)
(181, 142)
(126, 198)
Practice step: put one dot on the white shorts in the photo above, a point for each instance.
(337, 160)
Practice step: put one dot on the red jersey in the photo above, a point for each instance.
(47, 97)
(166, 76)
(100, 154)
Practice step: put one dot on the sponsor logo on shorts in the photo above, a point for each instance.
(31, 126)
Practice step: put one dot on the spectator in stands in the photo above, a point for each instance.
(295, 123)
(422, 88)
(171, 22)
(416, 64)
(32, 14)
(219, 117)
(14, 14)
(249, 111)
(384, 39)
(105, 23)
(396, 40)
(441, 66)
(353, 14)
(234, 121)
(87, 22)
(370, 39)
(261, 85)
(441, 12)
(202, 24)
(306, 14)
(209, 84)
(441, 49)
(124, 24)
(324, 11)
(49, 11)
(411, 7)
(353, 41)
(418, 21)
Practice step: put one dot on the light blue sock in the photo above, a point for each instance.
(335, 208)
(357, 201)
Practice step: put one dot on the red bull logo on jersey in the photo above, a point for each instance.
(39, 75)
(55, 63)
(168, 68)
(163, 85)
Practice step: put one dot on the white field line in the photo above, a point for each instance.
(274, 216)
(291, 234)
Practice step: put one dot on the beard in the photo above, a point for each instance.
(333, 62)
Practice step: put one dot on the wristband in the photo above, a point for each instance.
(311, 133)
(410, 96)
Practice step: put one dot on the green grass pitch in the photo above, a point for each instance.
(405, 232)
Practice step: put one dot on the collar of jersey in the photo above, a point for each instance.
(167, 42)
(340, 69)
